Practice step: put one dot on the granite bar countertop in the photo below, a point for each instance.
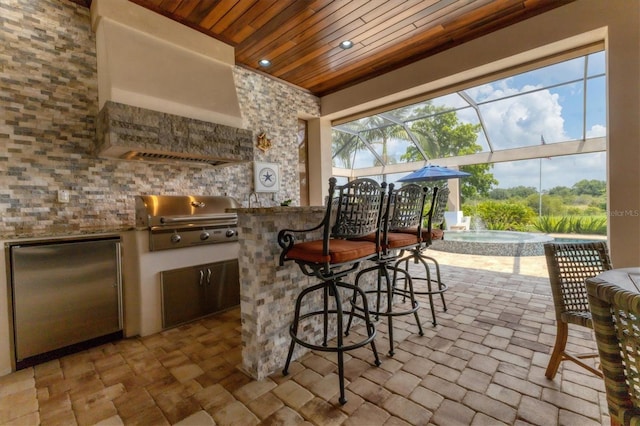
(277, 210)
(55, 233)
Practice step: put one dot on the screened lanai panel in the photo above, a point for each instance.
(390, 143)
(428, 108)
(341, 162)
(529, 81)
(596, 114)
(363, 124)
(595, 64)
(547, 173)
(556, 103)
(393, 178)
(528, 119)
(363, 157)
(342, 180)
(409, 112)
(565, 117)
(449, 102)
(342, 148)
(443, 134)
(470, 116)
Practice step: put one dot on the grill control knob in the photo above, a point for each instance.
(204, 236)
(175, 238)
(230, 233)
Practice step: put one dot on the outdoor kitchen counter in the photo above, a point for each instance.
(279, 209)
(268, 290)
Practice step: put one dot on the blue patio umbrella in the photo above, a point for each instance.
(432, 172)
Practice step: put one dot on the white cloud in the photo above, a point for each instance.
(597, 131)
(522, 120)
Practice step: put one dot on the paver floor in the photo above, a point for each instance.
(483, 364)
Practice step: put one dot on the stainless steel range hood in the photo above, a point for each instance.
(166, 92)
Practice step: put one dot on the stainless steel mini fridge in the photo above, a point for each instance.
(64, 293)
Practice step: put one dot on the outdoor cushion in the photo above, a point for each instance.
(340, 251)
(395, 239)
(401, 239)
(436, 234)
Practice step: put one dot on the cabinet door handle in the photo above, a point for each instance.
(201, 277)
(208, 276)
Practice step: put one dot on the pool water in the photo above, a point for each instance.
(496, 236)
(575, 240)
(493, 243)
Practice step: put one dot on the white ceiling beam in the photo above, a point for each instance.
(516, 154)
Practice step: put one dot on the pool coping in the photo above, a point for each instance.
(506, 248)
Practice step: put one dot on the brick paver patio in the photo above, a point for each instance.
(483, 364)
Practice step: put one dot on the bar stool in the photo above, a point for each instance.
(354, 213)
(401, 229)
(416, 253)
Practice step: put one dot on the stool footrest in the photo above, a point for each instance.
(389, 291)
(441, 288)
(385, 313)
(371, 335)
(330, 290)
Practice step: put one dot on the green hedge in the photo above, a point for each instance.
(594, 225)
(514, 216)
(502, 216)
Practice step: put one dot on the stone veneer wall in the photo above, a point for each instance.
(48, 110)
(274, 108)
(268, 291)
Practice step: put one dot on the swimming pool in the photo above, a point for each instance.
(493, 243)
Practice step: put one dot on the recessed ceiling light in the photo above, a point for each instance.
(347, 44)
(264, 62)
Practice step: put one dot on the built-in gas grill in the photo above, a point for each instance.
(176, 221)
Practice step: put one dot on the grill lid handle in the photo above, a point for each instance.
(198, 218)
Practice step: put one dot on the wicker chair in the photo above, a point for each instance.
(569, 265)
(616, 322)
(354, 213)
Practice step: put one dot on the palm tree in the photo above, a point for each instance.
(343, 147)
(381, 130)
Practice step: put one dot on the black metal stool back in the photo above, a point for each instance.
(407, 209)
(433, 231)
(353, 211)
(402, 223)
(359, 205)
(436, 216)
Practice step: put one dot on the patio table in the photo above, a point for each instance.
(626, 278)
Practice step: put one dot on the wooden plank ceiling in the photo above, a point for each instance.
(301, 37)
